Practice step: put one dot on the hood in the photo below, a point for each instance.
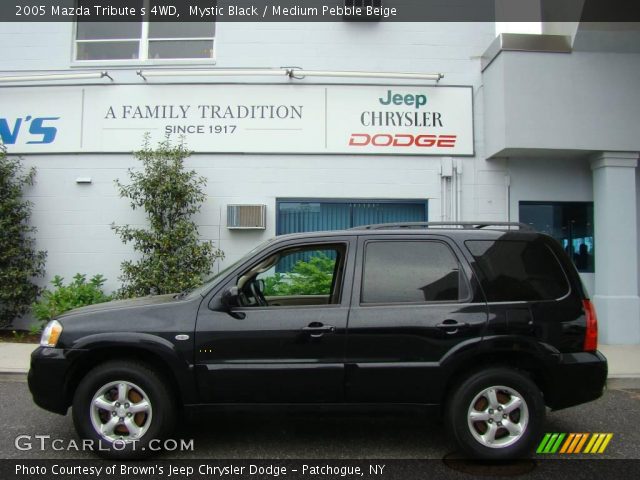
(119, 304)
(161, 315)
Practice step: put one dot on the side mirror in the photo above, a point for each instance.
(229, 300)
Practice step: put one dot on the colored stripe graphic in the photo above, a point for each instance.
(550, 443)
(598, 443)
(581, 443)
(543, 443)
(555, 447)
(567, 442)
(592, 443)
(579, 437)
(573, 443)
(607, 439)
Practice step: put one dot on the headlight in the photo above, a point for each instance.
(51, 334)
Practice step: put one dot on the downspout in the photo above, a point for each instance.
(446, 172)
(458, 175)
(507, 186)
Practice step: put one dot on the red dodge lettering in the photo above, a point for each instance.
(402, 140)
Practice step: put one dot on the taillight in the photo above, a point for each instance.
(591, 334)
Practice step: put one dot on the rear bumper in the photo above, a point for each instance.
(46, 379)
(577, 378)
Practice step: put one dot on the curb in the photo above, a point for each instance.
(621, 382)
(13, 376)
(15, 371)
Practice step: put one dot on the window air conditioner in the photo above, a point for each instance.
(246, 217)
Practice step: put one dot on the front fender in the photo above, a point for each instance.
(173, 360)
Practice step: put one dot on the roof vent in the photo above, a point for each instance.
(246, 217)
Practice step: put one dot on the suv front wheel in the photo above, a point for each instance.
(496, 414)
(121, 407)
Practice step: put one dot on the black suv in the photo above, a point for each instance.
(489, 321)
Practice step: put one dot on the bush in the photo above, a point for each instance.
(305, 278)
(78, 293)
(20, 262)
(173, 258)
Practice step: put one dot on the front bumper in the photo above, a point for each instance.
(47, 379)
(577, 378)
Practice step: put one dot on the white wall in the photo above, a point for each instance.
(37, 46)
(74, 220)
(584, 101)
(450, 48)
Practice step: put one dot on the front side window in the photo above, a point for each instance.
(298, 276)
(142, 40)
(411, 272)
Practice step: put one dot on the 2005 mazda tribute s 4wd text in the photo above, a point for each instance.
(488, 321)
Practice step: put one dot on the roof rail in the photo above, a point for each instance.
(462, 225)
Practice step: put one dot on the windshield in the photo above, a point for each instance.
(210, 282)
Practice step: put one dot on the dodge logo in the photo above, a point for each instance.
(402, 140)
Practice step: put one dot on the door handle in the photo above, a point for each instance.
(451, 326)
(316, 329)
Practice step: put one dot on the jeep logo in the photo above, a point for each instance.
(407, 99)
(38, 131)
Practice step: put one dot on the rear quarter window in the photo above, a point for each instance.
(518, 270)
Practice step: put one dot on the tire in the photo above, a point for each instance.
(121, 406)
(496, 414)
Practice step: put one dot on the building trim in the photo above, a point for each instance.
(615, 159)
(525, 42)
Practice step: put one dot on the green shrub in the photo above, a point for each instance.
(20, 261)
(305, 278)
(78, 293)
(173, 258)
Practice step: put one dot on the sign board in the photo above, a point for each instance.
(306, 119)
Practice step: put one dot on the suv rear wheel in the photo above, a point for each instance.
(496, 414)
(121, 407)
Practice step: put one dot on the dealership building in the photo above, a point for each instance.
(534, 128)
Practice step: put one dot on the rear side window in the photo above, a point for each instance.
(518, 271)
(411, 272)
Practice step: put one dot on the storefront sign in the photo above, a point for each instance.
(332, 119)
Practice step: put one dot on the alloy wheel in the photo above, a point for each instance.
(120, 411)
(498, 417)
